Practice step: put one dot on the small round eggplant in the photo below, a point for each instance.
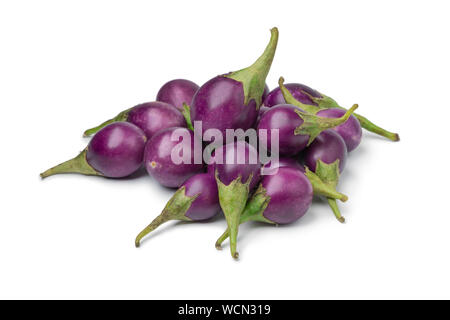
(350, 130)
(312, 101)
(296, 128)
(160, 152)
(177, 92)
(328, 147)
(115, 151)
(151, 117)
(196, 200)
(281, 198)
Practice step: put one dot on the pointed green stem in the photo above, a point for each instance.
(253, 78)
(326, 102)
(289, 98)
(253, 211)
(175, 209)
(123, 116)
(78, 164)
(370, 126)
(187, 116)
(322, 188)
(313, 125)
(334, 207)
(232, 199)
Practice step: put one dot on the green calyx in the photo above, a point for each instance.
(253, 211)
(328, 174)
(289, 98)
(253, 78)
(175, 209)
(187, 116)
(325, 102)
(78, 164)
(123, 116)
(232, 199)
(313, 125)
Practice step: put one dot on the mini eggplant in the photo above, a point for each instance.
(281, 198)
(350, 131)
(115, 151)
(237, 172)
(196, 200)
(328, 147)
(159, 152)
(151, 117)
(325, 159)
(231, 101)
(296, 128)
(296, 94)
(177, 92)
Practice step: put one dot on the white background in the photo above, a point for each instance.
(67, 65)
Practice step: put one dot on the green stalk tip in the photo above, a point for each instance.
(253, 78)
(78, 164)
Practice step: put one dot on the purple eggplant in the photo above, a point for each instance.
(312, 101)
(350, 131)
(281, 198)
(296, 128)
(115, 151)
(151, 117)
(328, 147)
(196, 200)
(177, 92)
(237, 170)
(231, 101)
(169, 156)
(325, 159)
(265, 93)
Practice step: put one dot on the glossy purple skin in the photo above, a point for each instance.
(177, 92)
(284, 118)
(350, 130)
(268, 169)
(237, 163)
(206, 205)
(117, 150)
(158, 160)
(219, 104)
(328, 147)
(152, 117)
(276, 96)
(290, 194)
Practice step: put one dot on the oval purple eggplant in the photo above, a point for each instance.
(206, 205)
(328, 147)
(176, 92)
(284, 119)
(159, 153)
(152, 117)
(117, 150)
(290, 195)
(350, 130)
(219, 104)
(275, 96)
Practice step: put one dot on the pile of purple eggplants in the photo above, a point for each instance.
(314, 137)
